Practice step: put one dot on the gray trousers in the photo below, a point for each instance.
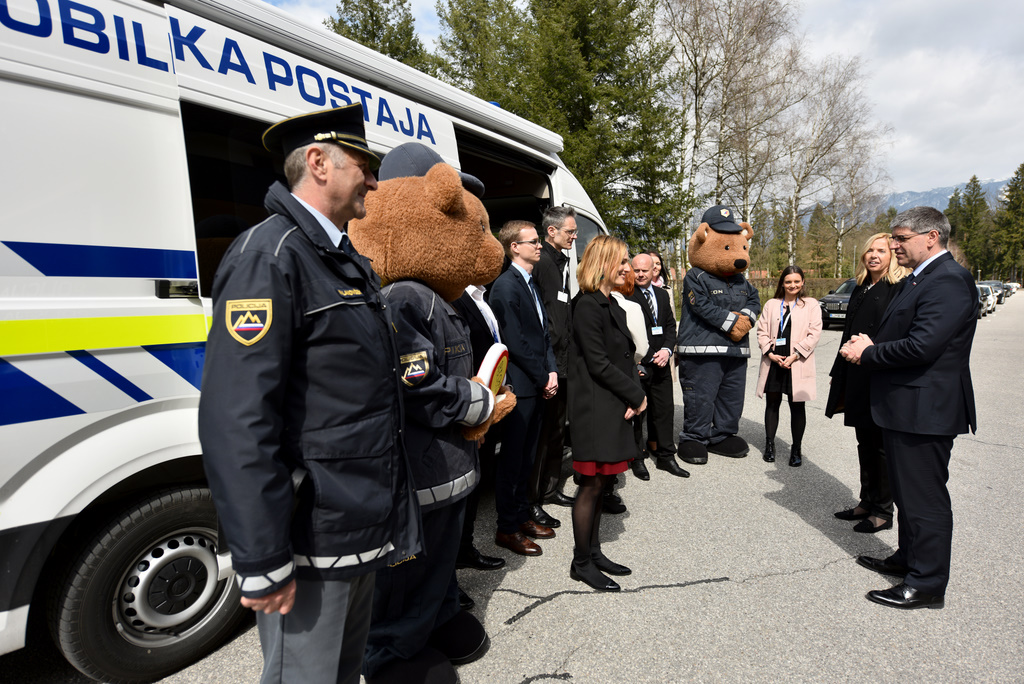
(322, 639)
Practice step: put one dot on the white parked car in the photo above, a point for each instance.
(986, 300)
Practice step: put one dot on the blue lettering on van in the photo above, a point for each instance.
(122, 38)
(41, 30)
(384, 115)
(85, 27)
(140, 50)
(181, 42)
(332, 85)
(424, 129)
(226, 64)
(273, 78)
(320, 98)
(73, 28)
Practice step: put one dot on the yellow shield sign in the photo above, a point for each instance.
(248, 320)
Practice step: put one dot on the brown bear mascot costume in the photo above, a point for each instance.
(428, 237)
(720, 307)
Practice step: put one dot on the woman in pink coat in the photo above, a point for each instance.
(787, 333)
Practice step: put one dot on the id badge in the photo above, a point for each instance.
(780, 340)
(563, 296)
(656, 330)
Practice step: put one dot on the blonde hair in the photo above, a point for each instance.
(601, 257)
(895, 273)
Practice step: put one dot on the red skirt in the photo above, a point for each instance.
(595, 468)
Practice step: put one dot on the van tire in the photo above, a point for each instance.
(164, 548)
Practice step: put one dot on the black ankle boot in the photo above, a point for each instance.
(605, 565)
(794, 456)
(769, 451)
(588, 573)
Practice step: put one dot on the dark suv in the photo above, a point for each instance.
(833, 305)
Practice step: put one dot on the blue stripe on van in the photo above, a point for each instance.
(90, 261)
(24, 399)
(184, 359)
(110, 375)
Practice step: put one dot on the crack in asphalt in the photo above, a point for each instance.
(541, 600)
(538, 677)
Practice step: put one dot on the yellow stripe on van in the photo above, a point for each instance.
(40, 336)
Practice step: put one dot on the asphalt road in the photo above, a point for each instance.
(741, 573)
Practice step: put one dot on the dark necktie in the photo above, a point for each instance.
(650, 302)
(346, 246)
(536, 296)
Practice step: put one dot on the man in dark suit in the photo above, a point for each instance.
(552, 279)
(484, 331)
(661, 335)
(533, 374)
(921, 397)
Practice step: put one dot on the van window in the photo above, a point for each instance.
(229, 173)
(587, 230)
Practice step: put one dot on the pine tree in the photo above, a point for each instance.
(1010, 220)
(976, 232)
(954, 214)
(386, 26)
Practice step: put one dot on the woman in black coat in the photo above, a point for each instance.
(877, 277)
(604, 395)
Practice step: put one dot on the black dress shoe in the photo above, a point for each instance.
(612, 503)
(538, 515)
(560, 499)
(472, 558)
(869, 527)
(769, 452)
(589, 574)
(882, 567)
(851, 514)
(669, 465)
(466, 601)
(605, 565)
(794, 457)
(640, 469)
(907, 597)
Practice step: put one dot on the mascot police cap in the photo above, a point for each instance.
(411, 159)
(341, 125)
(720, 218)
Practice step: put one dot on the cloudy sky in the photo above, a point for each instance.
(947, 75)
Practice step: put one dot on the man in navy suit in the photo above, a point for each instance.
(661, 337)
(533, 374)
(921, 397)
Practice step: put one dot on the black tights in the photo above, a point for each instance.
(798, 417)
(586, 515)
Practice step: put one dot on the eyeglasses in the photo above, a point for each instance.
(570, 233)
(903, 239)
(534, 242)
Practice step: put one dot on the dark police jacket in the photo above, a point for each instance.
(436, 364)
(708, 303)
(300, 383)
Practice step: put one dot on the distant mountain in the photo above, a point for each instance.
(939, 197)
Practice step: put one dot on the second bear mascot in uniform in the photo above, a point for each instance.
(428, 237)
(720, 308)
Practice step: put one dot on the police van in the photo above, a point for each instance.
(131, 159)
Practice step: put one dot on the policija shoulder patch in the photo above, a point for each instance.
(414, 368)
(248, 320)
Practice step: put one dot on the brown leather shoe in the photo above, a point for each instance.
(532, 528)
(517, 543)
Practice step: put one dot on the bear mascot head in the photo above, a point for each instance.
(426, 222)
(722, 246)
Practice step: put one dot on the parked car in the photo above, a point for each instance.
(834, 304)
(986, 300)
(997, 290)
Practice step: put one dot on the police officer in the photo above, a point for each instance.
(300, 416)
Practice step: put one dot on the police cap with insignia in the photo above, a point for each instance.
(415, 159)
(720, 218)
(340, 125)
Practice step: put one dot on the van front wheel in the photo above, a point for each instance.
(142, 599)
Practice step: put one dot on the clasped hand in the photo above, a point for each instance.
(784, 361)
(854, 348)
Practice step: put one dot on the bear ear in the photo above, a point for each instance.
(702, 233)
(444, 189)
(748, 232)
